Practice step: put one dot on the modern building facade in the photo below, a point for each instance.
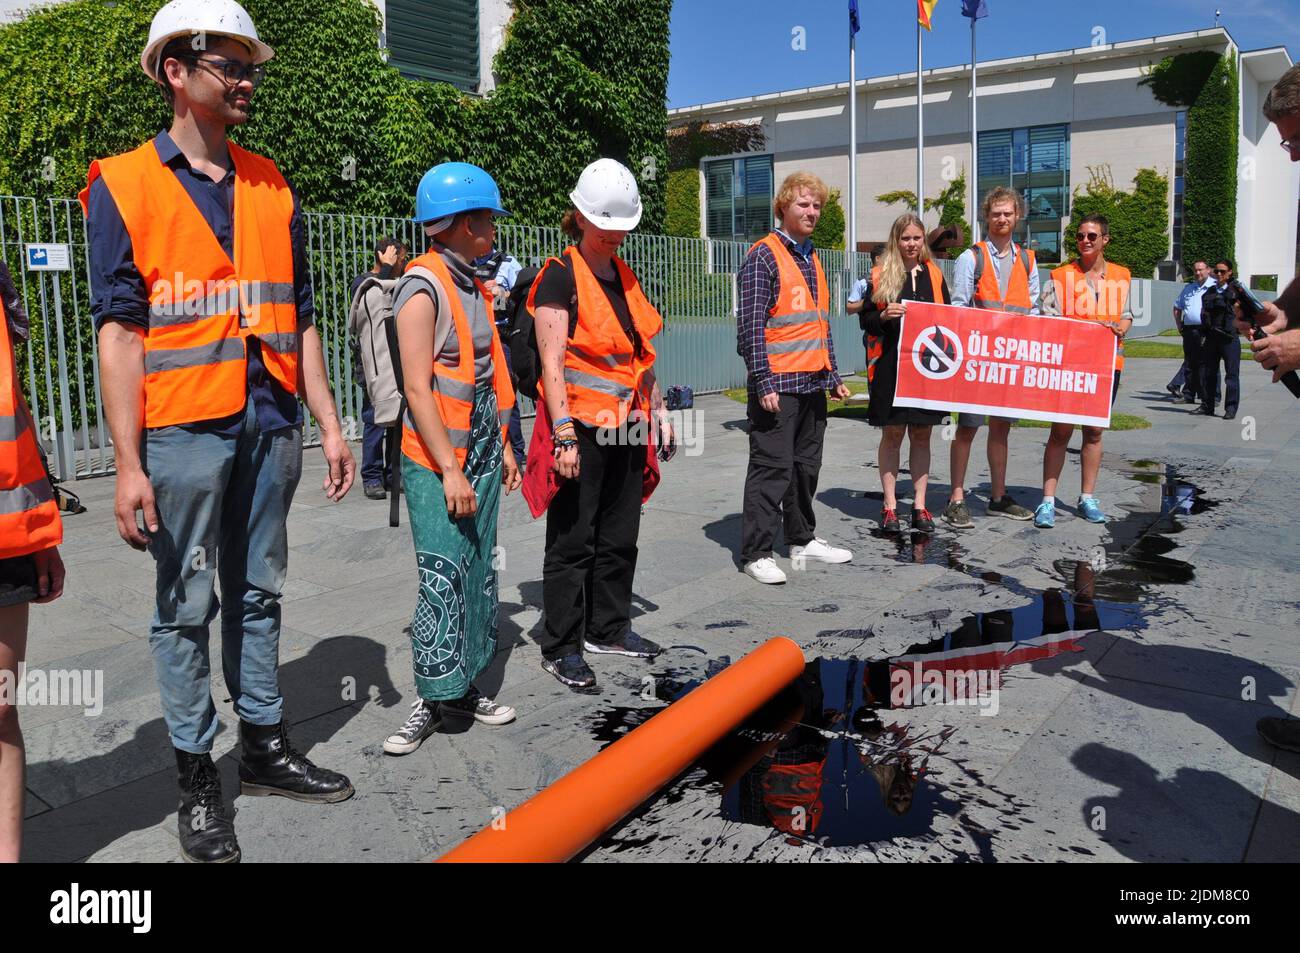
(1044, 121)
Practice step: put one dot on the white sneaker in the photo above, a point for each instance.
(819, 551)
(766, 571)
(422, 722)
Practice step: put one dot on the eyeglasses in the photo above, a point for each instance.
(1088, 236)
(235, 72)
(1222, 271)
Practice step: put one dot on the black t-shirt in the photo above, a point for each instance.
(557, 289)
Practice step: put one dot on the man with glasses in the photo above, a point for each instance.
(1187, 315)
(1219, 341)
(203, 304)
(1090, 288)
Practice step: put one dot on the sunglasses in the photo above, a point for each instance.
(234, 72)
(1222, 271)
(1088, 236)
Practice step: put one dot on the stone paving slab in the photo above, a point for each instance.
(1150, 721)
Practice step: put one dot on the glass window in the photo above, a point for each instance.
(436, 42)
(738, 197)
(1036, 161)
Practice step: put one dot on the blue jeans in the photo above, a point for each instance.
(222, 506)
(516, 429)
(373, 468)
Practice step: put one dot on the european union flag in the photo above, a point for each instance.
(854, 24)
(975, 9)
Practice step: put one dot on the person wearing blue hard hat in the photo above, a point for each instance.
(455, 452)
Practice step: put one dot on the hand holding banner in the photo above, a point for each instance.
(1010, 365)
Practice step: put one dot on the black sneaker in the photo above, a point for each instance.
(375, 491)
(922, 521)
(889, 521)
(957, 515)
(1172, 389)
(571, 670)
(1010, 508)
(420, 724)
(629, 644)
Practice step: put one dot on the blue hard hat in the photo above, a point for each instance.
(452, 187)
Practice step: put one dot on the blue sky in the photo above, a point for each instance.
(723, 49)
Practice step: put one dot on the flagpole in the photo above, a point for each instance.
(853, 159)
(920, 130)
(974, 140)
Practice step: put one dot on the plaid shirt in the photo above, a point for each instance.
(759, 286)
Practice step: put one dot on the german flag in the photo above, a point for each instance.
(925, 12)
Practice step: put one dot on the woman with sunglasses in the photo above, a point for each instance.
(1219, 341)
(1089, 288)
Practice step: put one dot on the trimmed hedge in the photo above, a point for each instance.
(829, 232)
(578, 79)
(683, 200)
(1210, 190)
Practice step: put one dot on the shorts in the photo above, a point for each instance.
(977, 420)
(17, 581)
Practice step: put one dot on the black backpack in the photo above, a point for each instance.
(521, 334)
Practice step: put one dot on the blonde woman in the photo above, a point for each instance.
(905, 272)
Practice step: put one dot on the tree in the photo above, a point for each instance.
(1139, 237)
(829, 232)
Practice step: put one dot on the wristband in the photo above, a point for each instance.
(561, 422)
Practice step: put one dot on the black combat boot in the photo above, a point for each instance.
(270, 765)
(206, 831)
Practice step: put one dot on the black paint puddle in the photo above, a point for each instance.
(920, 548)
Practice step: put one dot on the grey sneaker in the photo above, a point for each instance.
(478, 706)
(957, 515)
(422, 722)
(1010, 508)
(1281, 733)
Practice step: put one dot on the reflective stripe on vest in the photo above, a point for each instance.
(29, 514)
(202, 304)
(1077, 300)
(987, 293)
(453, 387)
(876, 347)
(797, 330)
(603, 376)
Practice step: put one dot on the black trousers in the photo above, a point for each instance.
(785, 456)
(1219, 349)
(1188, 377)
(591, 532)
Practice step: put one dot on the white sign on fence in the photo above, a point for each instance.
(49, 258)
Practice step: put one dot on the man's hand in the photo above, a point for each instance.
(510, 470)
(49, 575)
(841, 392)
(1279, 353)
(342, 468)
(389, 256)
(567, 464)
(770, 402)
(134, 495)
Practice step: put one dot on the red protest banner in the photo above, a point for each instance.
(1009, 365)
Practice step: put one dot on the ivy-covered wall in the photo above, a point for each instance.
(1206, 85)
(578, 79)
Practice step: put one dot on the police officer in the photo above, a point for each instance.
(1219, 341)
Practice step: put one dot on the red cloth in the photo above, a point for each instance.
(541, 482)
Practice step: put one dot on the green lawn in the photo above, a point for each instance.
(857, 410)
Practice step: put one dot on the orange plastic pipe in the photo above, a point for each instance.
(561, 820)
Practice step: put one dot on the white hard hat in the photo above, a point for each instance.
(201, 18)
(608, 196)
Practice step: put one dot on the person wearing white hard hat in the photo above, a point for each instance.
(202, 301)
(594, 336)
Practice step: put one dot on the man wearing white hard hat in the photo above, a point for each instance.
(594, 330)
(202, 301)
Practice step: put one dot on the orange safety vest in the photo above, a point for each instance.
(453, 387)
(987, 293)
(603, 375)
(29, 514)
(876, 347)
(1077, 300)
(202, 305)
(798, 330)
